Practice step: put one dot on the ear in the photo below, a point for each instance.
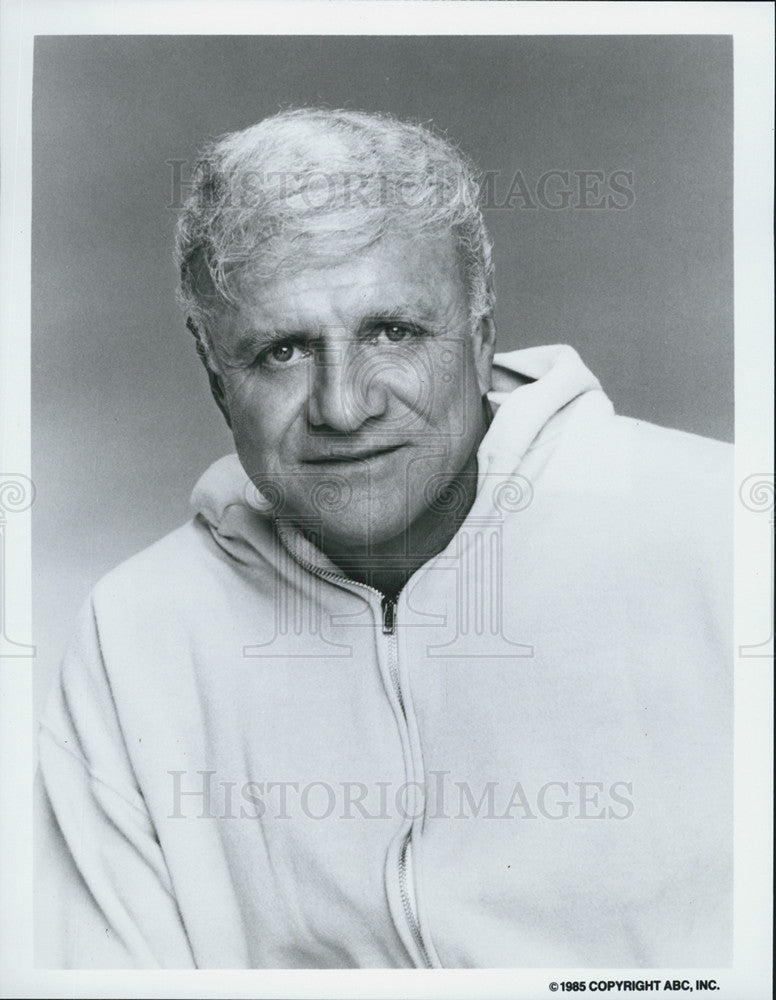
(216, 386)
(484, 347)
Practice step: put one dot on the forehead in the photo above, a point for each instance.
(419, 274)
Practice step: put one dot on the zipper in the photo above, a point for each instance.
(389, 629)
(389, 615)
(406, 900)
(388, 608)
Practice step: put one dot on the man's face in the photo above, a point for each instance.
(355, 390)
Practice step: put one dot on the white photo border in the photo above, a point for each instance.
(751, 26)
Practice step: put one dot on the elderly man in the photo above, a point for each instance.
(438, 675)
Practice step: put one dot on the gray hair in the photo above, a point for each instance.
(313, 184)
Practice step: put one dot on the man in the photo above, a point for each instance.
(438, 675)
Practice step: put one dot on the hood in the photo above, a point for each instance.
(548, 380)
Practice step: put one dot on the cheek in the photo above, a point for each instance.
(263, 419)
(456, 399)
(434, 381)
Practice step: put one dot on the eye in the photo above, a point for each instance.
(281, 354)
(396, 333)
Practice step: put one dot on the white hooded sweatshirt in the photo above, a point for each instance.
(250, 760)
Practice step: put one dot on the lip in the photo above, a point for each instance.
(352, 457)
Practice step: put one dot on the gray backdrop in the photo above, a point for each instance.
(122, 420)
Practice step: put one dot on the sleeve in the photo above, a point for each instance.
(104, 898)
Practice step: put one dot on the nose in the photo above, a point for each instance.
(345, 392)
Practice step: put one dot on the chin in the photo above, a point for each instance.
(361, 531)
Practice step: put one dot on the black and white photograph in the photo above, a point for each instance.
(389, 488)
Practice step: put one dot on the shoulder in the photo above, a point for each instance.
(678, 495)
(589, 431)
(173, 562)
(686, 469)
(643, 480)
(666, 444)
(188, 582)
(177, 585)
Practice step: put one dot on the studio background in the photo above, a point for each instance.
(122, 420)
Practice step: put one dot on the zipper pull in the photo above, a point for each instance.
(389, 615)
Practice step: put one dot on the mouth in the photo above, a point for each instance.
(351, 456)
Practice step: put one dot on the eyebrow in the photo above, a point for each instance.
(249, 341)
(419, 312)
